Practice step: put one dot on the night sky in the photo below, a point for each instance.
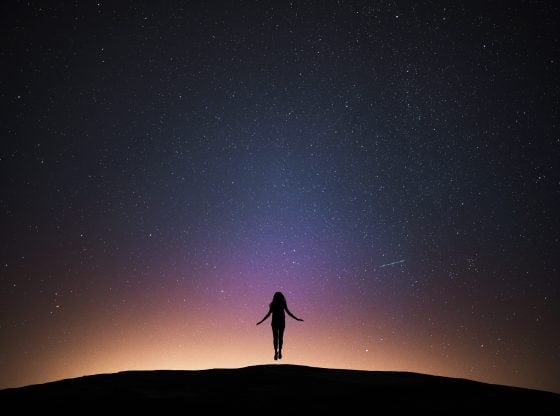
(392, 169)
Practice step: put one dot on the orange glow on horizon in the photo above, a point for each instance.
(217, 343)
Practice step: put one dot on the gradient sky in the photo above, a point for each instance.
(393, 169)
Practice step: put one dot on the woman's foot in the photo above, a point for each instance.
(276, 356)
(280, 355)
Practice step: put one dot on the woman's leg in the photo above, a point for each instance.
(275, 341)
(280, 341)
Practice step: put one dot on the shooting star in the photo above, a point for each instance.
(391, 264)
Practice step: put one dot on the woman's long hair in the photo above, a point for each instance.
(278, 300)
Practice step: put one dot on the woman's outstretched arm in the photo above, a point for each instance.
(292, 315)
(266, 316)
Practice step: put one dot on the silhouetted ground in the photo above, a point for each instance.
(274, 388)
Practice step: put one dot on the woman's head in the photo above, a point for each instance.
(278, 299)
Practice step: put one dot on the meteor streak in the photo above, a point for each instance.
(391, 264)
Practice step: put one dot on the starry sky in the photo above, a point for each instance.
(392, 168)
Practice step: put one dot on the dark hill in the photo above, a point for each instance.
(277, 387)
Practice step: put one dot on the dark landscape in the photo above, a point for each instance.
(277, 387)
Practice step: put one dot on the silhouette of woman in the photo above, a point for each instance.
(277, 308)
